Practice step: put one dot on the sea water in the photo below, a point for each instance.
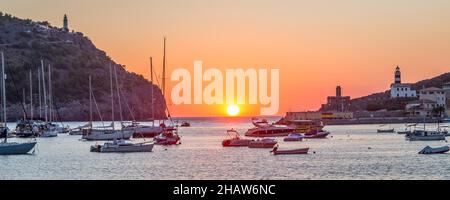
(349, 152)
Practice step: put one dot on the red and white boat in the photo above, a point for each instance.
(168, 137)
(263, 143)
(264, 129)
(235, 140)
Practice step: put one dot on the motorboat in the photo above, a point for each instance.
(293, 137)
(264, 129)
(276, 151)
(263, 143)
(316, 134)
(144, 131)
(185, 124)
(425, 135)
(122, 146)
(436, 150)
(305, 126)
(168, 137)
(106, 134)
(235, 140)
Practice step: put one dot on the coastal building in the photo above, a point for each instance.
(434, 94)
(337, 103)
(446, 88)
(65, 24)
(317, 115)
(428, 104)
(399, 89)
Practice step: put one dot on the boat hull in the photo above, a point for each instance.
(426, 138)
(262, 144)
(293, 151)
(236, 143)
(122, 149)
(318, 135)
(107, 135)
(16, 148)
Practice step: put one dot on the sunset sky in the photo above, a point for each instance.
(315, 44)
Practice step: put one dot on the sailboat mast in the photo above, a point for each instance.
(151, 84)
(50, 102)
(31, 94)
(164, 70)
(118, 95)
(112, 96)
(3, 90)
(24, 104)
(43, 87)
(90, 100)
(39, 89)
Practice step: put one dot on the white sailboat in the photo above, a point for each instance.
(146, 131)
(102, 133)
(48, 129)
(11, 148)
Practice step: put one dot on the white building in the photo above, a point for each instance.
(399, 89)
(433, 94)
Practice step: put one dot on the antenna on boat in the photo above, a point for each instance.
(3, 91)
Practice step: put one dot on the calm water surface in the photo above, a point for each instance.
(344, 155)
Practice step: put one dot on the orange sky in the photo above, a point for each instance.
(315, 44)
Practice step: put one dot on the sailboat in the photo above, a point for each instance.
(48, 129)
(146, 131)
(102, 133)
(11, 148)
(169, 136)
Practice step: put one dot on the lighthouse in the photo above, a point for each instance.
(397, 75)
(66, 23)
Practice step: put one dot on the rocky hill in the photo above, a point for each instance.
(73, 58)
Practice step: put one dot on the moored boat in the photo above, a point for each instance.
(390, 130)
(168, 137)
(316, 134)
(425, 135)
(436, 150)
(264, 129)
(235, 140)
(106, 134)
(122, 146)
(262, 143)
(293, 137)
(185, 124)
(276, 151)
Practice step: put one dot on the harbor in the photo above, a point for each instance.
(349, 152)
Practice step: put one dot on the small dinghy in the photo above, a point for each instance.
(263, 143)
(275, 151)
(294, 137)
(436, 150)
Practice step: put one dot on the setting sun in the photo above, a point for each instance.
(233, 110)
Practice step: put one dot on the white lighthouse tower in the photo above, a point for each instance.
(397, 75)
(399, 89)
